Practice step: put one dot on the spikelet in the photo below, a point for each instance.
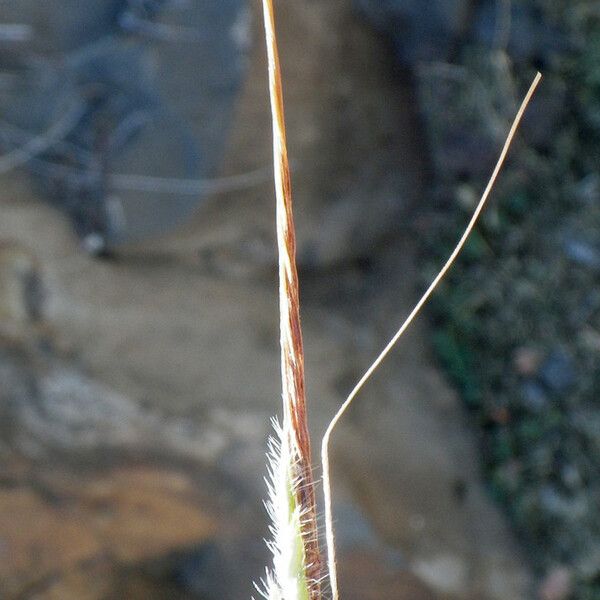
(288, 579)
(296, 569)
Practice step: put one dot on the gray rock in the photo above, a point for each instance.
(582, 253)
(153, 102)
(525, 33)
(457, 122)
(587, 424)
(197, 81)
(588, 562)
(587, 190)
(526, 361)
(22, 292)
(571, 477)
(63, 25)
(571, 509)
(558, 372)
(418, 34)
(556, 585)
(432, 34)
(534, 396)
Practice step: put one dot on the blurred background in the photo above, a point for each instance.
(139, 357)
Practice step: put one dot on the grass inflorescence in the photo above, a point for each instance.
(296, 573)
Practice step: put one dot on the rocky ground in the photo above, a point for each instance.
(137, 391)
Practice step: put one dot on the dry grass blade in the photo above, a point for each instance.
(329, 534)
(295, 423)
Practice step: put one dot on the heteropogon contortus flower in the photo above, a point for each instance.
(296, 572)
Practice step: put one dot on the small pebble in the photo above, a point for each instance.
(588, 189)
(195, 571)
(582, 253)
(534, 396)
(467, 196)
(557, 585)
(557, 372)
(571, 477)
(510, 474)
(526, 361)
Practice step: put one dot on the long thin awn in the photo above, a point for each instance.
(329, 533)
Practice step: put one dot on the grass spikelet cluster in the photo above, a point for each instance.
(288, 579)
(296, 572)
